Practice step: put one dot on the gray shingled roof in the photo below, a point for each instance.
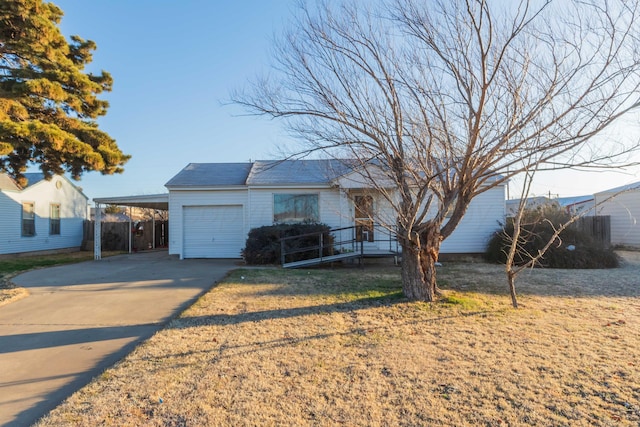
(211, 174)
(281, 172)
(262, 172)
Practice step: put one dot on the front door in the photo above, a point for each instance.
(364, 218)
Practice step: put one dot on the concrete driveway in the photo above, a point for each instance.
(81, 318)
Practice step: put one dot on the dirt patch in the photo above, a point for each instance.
(9, 293)
(342, 347)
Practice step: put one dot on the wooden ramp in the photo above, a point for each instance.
(323, 260)
(350, 247)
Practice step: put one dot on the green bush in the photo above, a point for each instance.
(572, 250)
(263, 243)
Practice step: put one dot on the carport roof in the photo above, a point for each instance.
(150, 201)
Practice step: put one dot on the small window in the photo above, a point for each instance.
(288, 208)
(54, 219)
(28, 219)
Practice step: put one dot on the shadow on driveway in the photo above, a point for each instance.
(82, 318)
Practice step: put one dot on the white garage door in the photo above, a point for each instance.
(213, 231)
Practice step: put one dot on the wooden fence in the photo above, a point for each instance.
(115, 235)
(598, 227)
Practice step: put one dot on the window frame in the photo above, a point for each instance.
(28, 225)
(54, 222)
(297, 218)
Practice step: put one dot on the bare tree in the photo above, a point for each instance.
(447, 99)
(517, 257)
(518, 238)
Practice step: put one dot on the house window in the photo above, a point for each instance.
(28, 219)
(54, 219)
(289, 208)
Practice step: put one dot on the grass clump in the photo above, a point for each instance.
(20, 263)
(463, 301)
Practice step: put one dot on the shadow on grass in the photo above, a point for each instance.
(322, 309)
(480, 278)
(286, 313)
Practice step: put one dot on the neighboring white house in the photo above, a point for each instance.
(213, 206)
(533, 202)
(43, 215)
(622, 204)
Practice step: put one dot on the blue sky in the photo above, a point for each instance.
(174, 65)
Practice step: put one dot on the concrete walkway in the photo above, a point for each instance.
(81, 318)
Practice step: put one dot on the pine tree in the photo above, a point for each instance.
(48, 104)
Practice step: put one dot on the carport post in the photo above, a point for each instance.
(130, 229)
(97, 233)
(153, 229)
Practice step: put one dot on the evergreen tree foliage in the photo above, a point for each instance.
(48, 103)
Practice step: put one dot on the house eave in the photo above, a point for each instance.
(204, 187)
(289, 186)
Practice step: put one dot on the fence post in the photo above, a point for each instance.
(321, 243)
(282, 251)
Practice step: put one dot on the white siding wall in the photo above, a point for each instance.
(478, 224)
(9, 222)
(73, 211)
(178, 199)
(624, 210)
(481, 220)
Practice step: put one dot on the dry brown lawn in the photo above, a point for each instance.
(342, 347)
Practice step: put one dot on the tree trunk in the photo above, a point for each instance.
(511, 278)
(419, 268)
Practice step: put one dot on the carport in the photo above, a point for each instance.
(150, 201)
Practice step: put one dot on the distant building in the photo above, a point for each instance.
(622, 204)
(578, 205)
